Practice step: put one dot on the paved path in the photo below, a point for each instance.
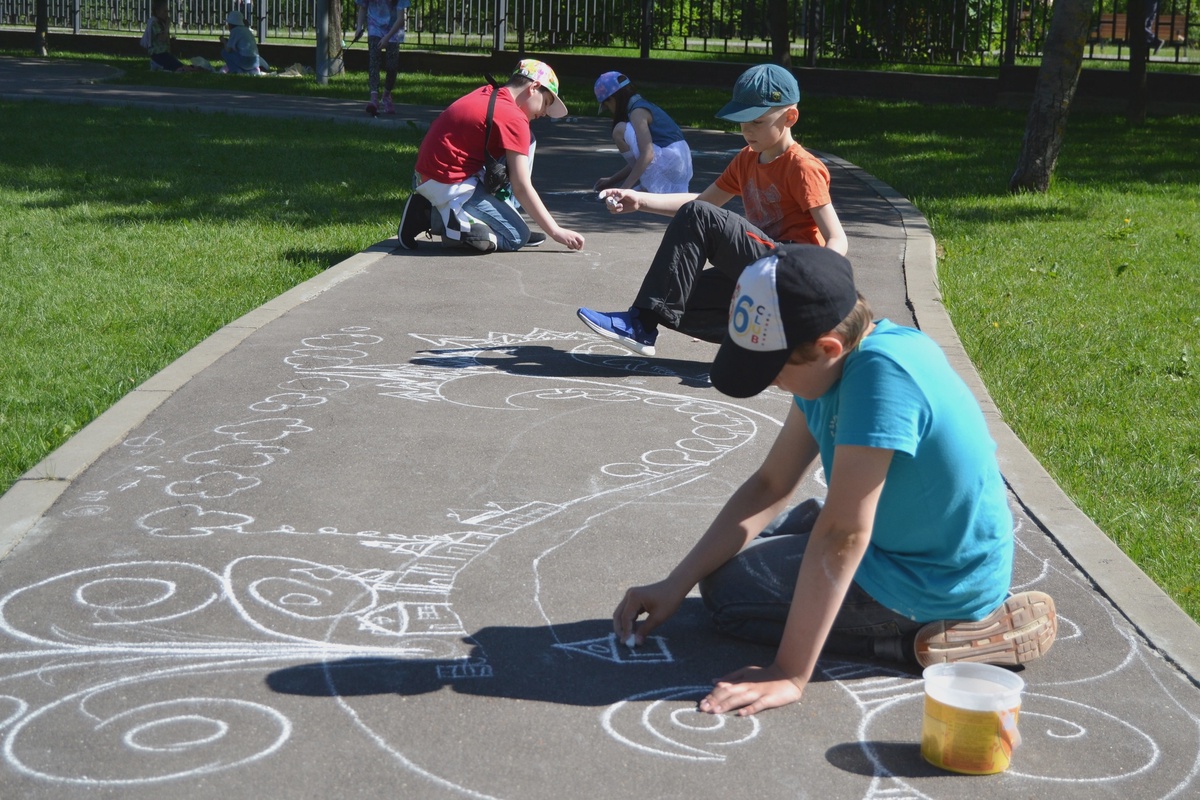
(367, 539)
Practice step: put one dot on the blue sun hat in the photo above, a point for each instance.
(758, 90)
(607, 85)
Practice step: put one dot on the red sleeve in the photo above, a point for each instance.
(510, 127)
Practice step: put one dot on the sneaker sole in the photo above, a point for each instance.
(624, 341)
(1018, 632)
(412, 243)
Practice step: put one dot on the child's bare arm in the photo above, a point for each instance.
(640, 120)
(628, 200)
(745, 514)
(830, 227)
(401, 21)
(522, 187)
(834, 550)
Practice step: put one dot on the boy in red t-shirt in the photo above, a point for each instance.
(449, 197)
(785, 191)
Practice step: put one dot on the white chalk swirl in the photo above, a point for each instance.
(666, 722)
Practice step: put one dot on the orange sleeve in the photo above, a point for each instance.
(734, 176)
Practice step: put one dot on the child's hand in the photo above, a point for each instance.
(752, 689)
(620, 201)
(570, 239)
(603, 183)
(658, 602)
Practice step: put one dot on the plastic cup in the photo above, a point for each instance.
(971, 715)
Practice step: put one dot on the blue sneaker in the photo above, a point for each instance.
(623, 327)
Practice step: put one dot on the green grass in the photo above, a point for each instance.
(129, 236)
(1080, 308)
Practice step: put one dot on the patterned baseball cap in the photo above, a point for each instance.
(540, 71)
(607, 85)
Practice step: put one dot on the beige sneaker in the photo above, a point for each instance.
(1021, 629)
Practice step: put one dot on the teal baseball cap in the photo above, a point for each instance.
(758, 90)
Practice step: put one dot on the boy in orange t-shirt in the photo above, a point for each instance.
(785, 191)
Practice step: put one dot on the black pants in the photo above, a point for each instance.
(678, 291)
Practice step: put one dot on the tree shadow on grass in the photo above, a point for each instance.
(144, 168)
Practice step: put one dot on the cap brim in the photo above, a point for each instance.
(740, 112)
(738, 372)
(558, 109)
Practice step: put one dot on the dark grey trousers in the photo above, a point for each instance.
(678, 292)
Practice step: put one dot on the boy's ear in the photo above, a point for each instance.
(793, 116)
(830, 345)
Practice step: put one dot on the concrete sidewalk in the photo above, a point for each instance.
(368, 538)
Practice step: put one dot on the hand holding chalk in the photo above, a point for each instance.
(657, 601)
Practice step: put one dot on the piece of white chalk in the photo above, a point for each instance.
(631, 642)
(612, 201)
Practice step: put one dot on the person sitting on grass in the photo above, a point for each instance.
(450, 197)
(657, 157)
(240, 51)
(785, 191)
(158, 40)
(910, 556)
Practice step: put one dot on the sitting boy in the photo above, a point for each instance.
(449, 197)
(785, 192)
(909, 558)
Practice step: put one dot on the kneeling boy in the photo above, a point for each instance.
(910, 557)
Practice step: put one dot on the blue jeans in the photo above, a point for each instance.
(167, 61)
(751, 595)
(511, 231)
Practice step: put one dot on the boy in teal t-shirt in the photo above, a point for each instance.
(910, 556)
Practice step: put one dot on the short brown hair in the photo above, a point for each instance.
(852, 328)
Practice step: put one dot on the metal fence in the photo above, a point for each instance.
(963, 32)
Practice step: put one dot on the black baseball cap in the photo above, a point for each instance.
(789, 298)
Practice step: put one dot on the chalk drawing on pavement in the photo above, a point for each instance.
(126, 636)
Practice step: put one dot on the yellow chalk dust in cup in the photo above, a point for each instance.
(970, 717)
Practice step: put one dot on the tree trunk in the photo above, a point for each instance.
(334, 39)
(1139, 52)
(41, 27)
(1062, 59)
(781, 44)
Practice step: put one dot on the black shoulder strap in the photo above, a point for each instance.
(487, 131)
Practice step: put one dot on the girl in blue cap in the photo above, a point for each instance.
(657, 159)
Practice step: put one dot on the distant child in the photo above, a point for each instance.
(240, 50)
(785, 192)
(656, 155)
(157, 39)
(384, 21)
(909, 558)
